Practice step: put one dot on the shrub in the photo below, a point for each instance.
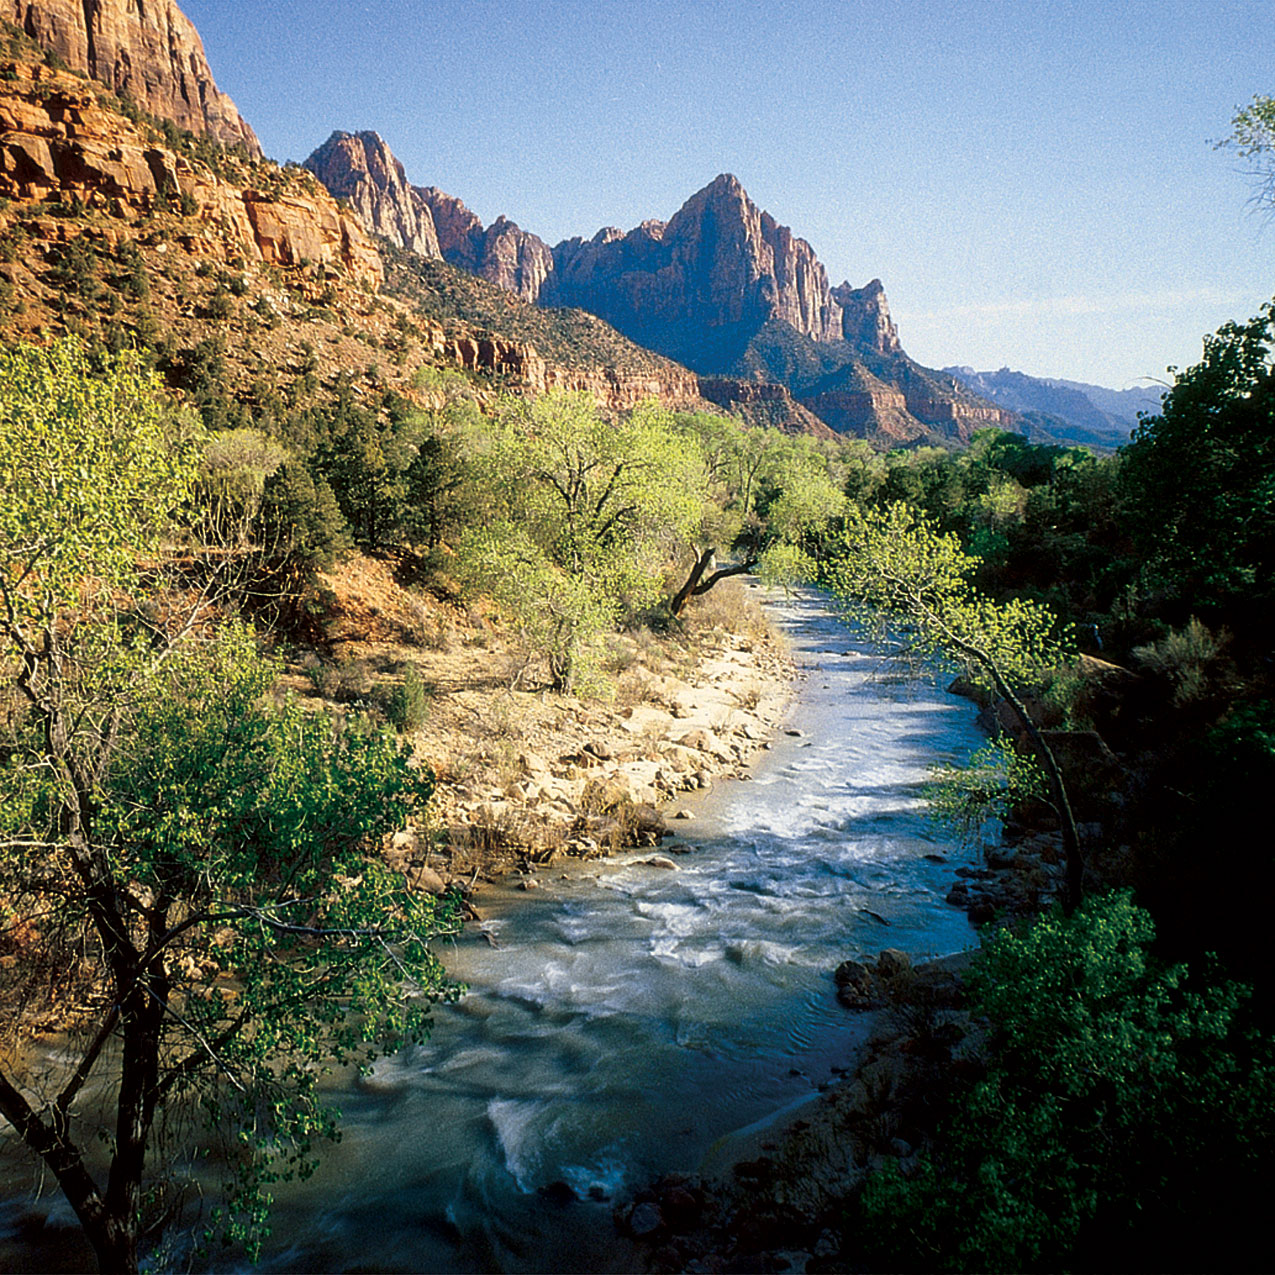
(409, 702)
(1123, 1101)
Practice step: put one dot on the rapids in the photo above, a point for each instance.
(625, 1020)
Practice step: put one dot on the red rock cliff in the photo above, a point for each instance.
(56, 138)
(361, 168)
(146, 49)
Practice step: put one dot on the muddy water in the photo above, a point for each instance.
(625, 1019)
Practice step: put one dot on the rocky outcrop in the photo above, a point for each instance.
(764, 404)
(613, 389)
(147, 50)
(57, 139)
(865, 318)
(460, 233)
(503, 253)
(720, 263)
(361, 169)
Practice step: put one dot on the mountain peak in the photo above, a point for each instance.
(361, 168)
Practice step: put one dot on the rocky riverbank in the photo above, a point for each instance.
(783, 1207)
(525, 775)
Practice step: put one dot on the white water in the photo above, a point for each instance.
(632, 1019)
(635, 1020)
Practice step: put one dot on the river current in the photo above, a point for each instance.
(625, 1020)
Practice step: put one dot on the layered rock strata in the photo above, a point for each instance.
(59, 141)
(147, 50)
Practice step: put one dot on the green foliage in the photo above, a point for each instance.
(1252, 137)
(1199, 479)
(192, 867)
(581, 516)
(409, 702)
(1123, 1101)
(995, 779)
(893, 564)
(1185, 657)
(92, 467)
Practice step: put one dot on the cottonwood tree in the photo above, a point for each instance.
(892, 563)
(581, 517)
(773, 499)
(1252, 137)
(187, 884)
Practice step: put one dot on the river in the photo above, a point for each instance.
(625, 1020)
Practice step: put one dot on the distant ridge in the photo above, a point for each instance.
(721, 288)
(1065, 411)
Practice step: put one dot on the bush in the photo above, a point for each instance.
(409, 702)
(1123, 1102)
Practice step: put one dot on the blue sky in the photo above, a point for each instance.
(1033, 182)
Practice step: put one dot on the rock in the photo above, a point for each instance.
(360, 168)
(600, 749)
(659, 861)
(58, 137)
(892, 962)
(684, 814)
(1001, 856)
(647, 819)
(849, 972)
(503, 253)
(533, 763)
(559, 1193)
(148, 51)
(428, 880)
(680, 1208)
(529, 883)
(645, 1220)
(796, 734)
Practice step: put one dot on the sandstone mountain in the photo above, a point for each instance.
(127, 233)
(146, 50)
(360, 168)
(722, 288)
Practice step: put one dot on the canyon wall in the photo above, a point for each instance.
(147, 50)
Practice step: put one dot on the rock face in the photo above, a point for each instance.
(503, 253)
(361, 169)
(614, 389)
(147, 50)
(57, 139)
(721, 266)
(865, 318)
(721, 288)
(763, 403)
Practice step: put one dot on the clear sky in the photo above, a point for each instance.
(1032, 180)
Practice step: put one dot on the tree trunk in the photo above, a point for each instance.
(696, 586)
(1072, 855)
(683, 595)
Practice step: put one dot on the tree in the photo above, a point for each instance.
(187, 878)
(1252, 137)
(1199, 479)
(774, 496)
(1123, 1100)
(894, 564)
(582, 516)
